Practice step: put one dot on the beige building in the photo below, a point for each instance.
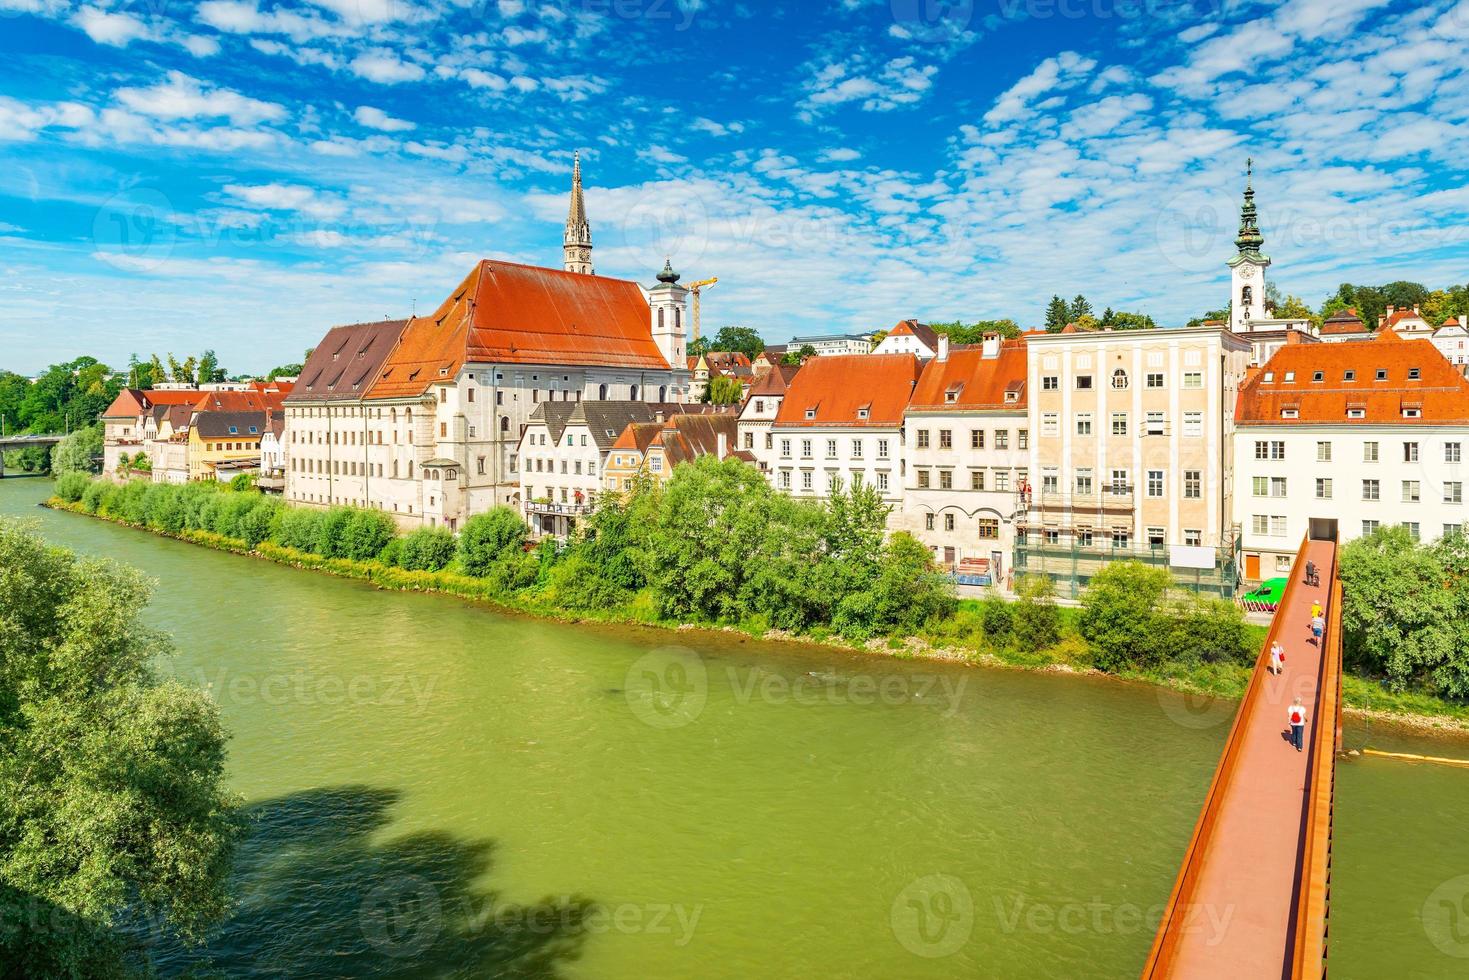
(1132, 436)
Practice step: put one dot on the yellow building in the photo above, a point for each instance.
(224, 444)
(655, 448)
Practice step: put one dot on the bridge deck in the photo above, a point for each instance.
(1236, 904)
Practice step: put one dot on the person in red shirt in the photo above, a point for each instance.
(1296, 715)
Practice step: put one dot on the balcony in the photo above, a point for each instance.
(569, 510)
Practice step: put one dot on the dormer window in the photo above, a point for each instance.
(1349, 375)
(952, 395)
(1290, 413)
(234, 431)
(1381, 374)
(864, 412)
(253, 430)
(1356, 413)
(1290, 377)
(811, 413)
(1414, 374)
(1412, 413)
(1318, 376)
(443, 372)
(1269, 377)
(1012, 396)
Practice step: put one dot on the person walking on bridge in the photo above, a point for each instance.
(1277, 657)
(1297, 718)
(1316, 610)
(1318, 627)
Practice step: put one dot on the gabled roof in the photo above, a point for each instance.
(637, 436)
(926, 335)
(343, 366)
(686, 437)
(237, 401)
(216, 425)
(730, 362)
(506, 313)
(553, 416)
(850, 390)
(773, 383)
(969, 381)
(132, 402)
(1439, 394)
(129, 403)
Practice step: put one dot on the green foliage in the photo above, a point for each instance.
(67, 396)
(1122, 320)
(71, 486)
(488, 537)
(742, 339)
(1036, 624)
(112, 789)
(973, 333)
(241, 482)
(366, 534)
(331, 533)
(723, 390)
(298, 528)
(997, 619)
(1405, 609)
(577, 583)
(74, 453)
(1079, 308)
(907, 593)
(1057, 313)
(255, 524)
(425, 550)
(92, 497)
(1134, 618)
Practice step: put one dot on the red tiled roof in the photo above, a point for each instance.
(775, 381)
(1440, 391)
(284, 387)
(928, 335)
(237, 401)
(132, 402)
(508, 313)
(836, 387)
(1343, 326)
(638, 436)
(127, 404)
(974, 381)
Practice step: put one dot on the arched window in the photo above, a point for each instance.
(407, 415)
(1119, 379)
(410, 469)
(678, 317)
(1247, 296)
(504, 423)
(634, 393)
(663, 393)
(601, 393)
(660, 318)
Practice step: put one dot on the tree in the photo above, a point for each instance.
(700, 347)
(1036, 624)
(724, 390)
(1079, 307)
(1057, 315)
(973, 333)
(1119, 614)
(1123, 320)
(799, 356)
(427, 549)
(488, 537)
(209, 369)
(742, 339)
(112, 785)
(1295, 308)
(1220, 315)
(75, 453)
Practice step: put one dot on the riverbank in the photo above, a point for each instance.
(1364, 698)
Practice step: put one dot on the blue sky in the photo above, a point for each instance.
(240, 175)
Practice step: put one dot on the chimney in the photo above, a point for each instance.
(991, 348)
(943, 347)
(658, 416)
(723, 446)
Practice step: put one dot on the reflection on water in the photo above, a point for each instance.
(443, 791)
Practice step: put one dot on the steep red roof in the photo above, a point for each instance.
(127, 404)
(1439, 394)
(850, 390)
(928, 335)
(131, 402)
(346, 362)
(775, 381)
(237, 401)
(967, 380)
(508, 313)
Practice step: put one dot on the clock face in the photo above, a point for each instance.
(1247, 271)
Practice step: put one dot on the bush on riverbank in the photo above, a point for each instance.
(1133, 617)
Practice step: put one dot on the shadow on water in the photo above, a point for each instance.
(318, 896)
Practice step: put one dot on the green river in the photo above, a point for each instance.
(443, 791)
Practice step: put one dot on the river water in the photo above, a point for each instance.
(439, 790)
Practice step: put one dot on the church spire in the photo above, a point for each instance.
(577, 243)
(1250, 239)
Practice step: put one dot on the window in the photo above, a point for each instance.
(1050, 482)
(1349, 375)
(946, 439)
(1050, 424)
(1381, 374)
(1155, 380)
(1119, 380)
(1323, 488)
(1453, 492)
(1156, 537)
(785, 448)
(1412, 491)
(948, 522)
(1118, 486)
(922, 479)
(1084, 382)
(1323, 452)
(831, 449)
(856, 448)
(882, 481)
(976, 438)
(1084, 483)
(1192, 537)
(1371, 489)
(1193, 424)
(1050, 383)
(1157, 425)
(1002, 438)
(1193, 379)
(989, 528)
(1022, 438)
(1155, 483)
(1453, 530)
(1121, 537)
(806, 480)
(1274, 449)
(1052, 535)
(1290, 377)
(1369, 452)
(946, 480)
(1193, 484)
(1002, 481)
(1410, 452)
(928, 522)
(1414, 531)
(1119, 423)
(1084, 424)
(882, 449)
(1452, 452)
(1368, 527)
(785, 479)
(1084, 537)
(805, 448)
(1414, 374)
(922, 439)
(976, 479)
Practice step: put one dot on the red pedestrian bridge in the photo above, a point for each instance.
(1251, 899)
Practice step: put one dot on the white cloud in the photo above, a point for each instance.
(383, 66)
(660, 154)
(201, 46)
(185, 97)
(373, 118)
(115, 29)
(839, 154)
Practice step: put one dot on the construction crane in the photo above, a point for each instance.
(695, 288)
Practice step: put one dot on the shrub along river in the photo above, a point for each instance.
(440, 790)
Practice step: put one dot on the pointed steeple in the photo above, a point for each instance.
(577, 242)
(1250, 239)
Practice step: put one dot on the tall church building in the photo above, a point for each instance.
(1249, 315)
(423, 418)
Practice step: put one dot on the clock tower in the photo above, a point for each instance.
(1247, 282)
